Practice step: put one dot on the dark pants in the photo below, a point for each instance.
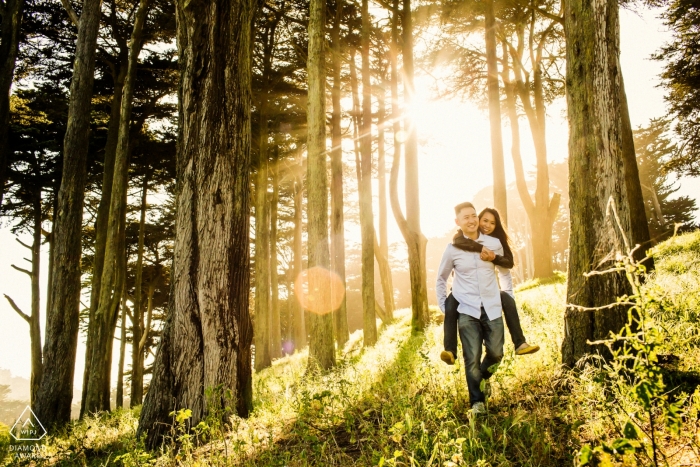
(472, 332)
(510, 313)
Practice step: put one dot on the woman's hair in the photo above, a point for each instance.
(499, 232)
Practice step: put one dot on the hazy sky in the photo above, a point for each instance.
(454, 166)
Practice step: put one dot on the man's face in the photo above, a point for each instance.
(467, 220)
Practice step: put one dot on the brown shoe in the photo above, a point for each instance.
(447, 357)
(526, 348)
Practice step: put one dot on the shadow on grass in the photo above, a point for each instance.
(351, 437)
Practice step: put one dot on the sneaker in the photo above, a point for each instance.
(526, 348)
(478, 408)
(485, 387)
(447, 357)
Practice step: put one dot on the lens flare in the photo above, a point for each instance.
(401, 136)
(319, 290)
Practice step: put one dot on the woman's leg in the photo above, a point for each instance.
(510, 313)
(450, 326)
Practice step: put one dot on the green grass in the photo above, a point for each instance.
(398, 404)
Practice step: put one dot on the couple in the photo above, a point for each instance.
(474, 306)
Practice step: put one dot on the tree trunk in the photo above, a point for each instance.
(207, 335)
(9, 46)
(365, 185)
(34, 325)
(262, 254)
(382, 248)
(119, 402)
(499, 173)
(103, 207)
(275, 325)
(321, 345)
(262, 317)
(137, 321)
(298, 316)
(337, 219)
(639, 234)
(410, 225)
(53, 404)
(101, 331)
(596, 163)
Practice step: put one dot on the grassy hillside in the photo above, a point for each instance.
(398, 404)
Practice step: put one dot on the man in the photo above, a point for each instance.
(478, 298)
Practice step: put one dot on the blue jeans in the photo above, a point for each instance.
(472, 332)
(510, 314)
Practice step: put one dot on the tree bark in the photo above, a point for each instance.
(381, 250)
(298, 316)
(9, 46)
(640, 225)
(337, 219)
(103, 208)
(410, 225)
(34, 325)
(321, 344)
(137, 321)
(596, 163)
(499, 173)
(369, 320)
(55, 394)
(119, 402)
(101, 331)
(275, 324)
(207, 335)
(262, 253)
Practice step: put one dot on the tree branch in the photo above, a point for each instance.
(23, 244)
(21, 270)
(546, 14)
(16, 308)
(71, 12)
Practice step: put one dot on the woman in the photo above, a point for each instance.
(489, 224)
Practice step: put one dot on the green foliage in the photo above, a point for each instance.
(655, 150)
(636, 392)
(681, 78)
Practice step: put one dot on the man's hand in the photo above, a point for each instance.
(487, 255)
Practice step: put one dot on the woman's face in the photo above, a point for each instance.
(487, 223)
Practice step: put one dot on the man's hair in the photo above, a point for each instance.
(461, 206)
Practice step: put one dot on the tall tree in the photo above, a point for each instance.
(102, 324)
(275, 321)
(597, 119)
(381, 248)
(37, 124)
(55, 393)
(137, 319)
(337, 219)
(369, 321)
(119, 397)
(262, 205)
(541, 211)
(299, 330)
(207, 336)
(410, 224)
(321, 344)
